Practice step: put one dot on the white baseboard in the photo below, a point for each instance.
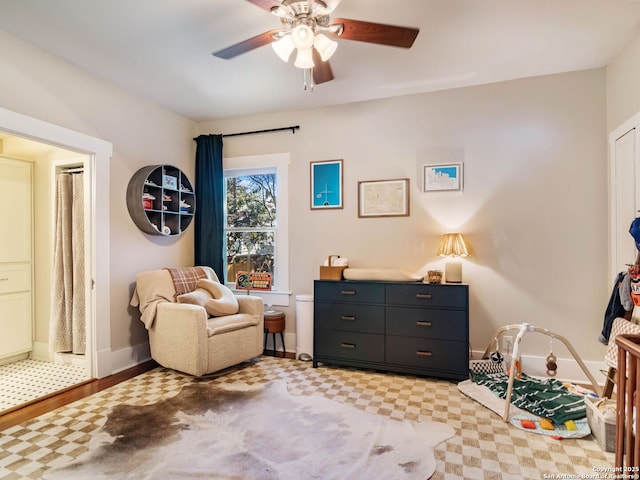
(14, 358)
(108, 362)
(129, 357)
(41, 352)
(568, 369)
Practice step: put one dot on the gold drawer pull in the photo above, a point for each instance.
(423, 324)
(424, 295)
(348, 345)
(4, 279)
(349, 318)
(424, 354)
(347, 292)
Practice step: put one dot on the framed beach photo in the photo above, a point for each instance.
(326, 185)
(383, 198)
(442, 177)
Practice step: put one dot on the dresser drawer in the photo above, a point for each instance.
(427, 323)
(353, 292)
(425, 295)
(366, 347)
(15, 278)
(349, 317)
(428, 354)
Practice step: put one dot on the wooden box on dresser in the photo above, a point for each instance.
(414, 328)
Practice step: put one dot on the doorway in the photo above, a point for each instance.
(97, 155)
(624, 190)
(43, 368)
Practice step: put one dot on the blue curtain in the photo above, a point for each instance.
(209, 217)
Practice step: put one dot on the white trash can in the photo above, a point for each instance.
(304, 327)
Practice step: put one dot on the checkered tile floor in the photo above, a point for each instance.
(484, 447)
(26, 380)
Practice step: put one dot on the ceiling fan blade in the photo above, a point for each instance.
(266, 4)
(246, 45)
(377, 33)
(322, 70)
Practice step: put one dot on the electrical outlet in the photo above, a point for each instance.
(507, 344)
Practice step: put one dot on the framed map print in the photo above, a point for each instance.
(326, 184)
(383, 198)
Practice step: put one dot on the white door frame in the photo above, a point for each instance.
(98, 261)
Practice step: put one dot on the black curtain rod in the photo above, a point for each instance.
(293, 129)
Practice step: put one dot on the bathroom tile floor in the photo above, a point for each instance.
(27, 380)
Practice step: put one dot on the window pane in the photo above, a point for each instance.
(249, 252)
(251, 201)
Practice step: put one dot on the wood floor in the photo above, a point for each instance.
(40, 407)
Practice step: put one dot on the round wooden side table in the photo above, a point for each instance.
(274, 322)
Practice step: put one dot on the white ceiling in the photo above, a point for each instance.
(161, 49)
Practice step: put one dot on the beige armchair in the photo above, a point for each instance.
(182, 336)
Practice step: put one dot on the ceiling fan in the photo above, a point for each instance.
(308, 30)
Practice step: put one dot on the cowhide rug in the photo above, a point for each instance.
(256, 433)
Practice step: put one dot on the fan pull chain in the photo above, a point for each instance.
(308, 79)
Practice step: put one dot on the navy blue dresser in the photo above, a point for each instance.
(414, 328)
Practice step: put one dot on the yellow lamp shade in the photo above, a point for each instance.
(453, 245)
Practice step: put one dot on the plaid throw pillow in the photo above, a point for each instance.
(185, 278)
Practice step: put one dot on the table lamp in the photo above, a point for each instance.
(453, 245)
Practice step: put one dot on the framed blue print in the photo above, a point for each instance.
(443, 177)
(326, 184)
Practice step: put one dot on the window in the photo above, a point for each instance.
(256, 221)
(250, 222)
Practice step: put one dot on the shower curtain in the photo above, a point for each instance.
(68, 308)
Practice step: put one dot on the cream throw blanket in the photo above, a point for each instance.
(156, 286)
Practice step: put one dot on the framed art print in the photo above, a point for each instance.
(443, 177)
(169, 181)
(326, 184)
(383, 198)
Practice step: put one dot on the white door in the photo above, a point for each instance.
(16, 221)
(625, 198)
(15, 215)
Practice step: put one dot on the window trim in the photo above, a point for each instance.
(251, 164)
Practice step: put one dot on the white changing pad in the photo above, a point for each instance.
(381, 274)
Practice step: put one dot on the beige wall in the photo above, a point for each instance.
(39, 85)
(534, 206)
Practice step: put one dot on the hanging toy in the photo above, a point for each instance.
(497, 357)
(552, 361)
(518, 371)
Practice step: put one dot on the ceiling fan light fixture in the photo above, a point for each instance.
(325, 46)
(284, 48)
(302, 36)
(304, 58)
(281, 11)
